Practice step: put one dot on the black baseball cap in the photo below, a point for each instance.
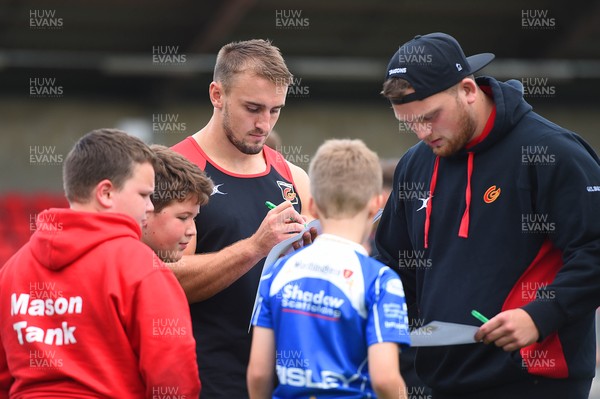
(432, 63)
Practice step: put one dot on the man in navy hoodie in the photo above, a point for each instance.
(495, 209)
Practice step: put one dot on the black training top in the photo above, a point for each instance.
(234, 212)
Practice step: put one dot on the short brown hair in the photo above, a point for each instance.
(344, 175)
(394, 89)
(102, 154)
(257, 56)
(178, 179)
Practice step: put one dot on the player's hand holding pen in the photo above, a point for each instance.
(280, 221)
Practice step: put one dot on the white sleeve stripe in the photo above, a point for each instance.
(375, 311)
(256, 311)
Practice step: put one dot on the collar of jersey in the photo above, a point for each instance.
(341, 240)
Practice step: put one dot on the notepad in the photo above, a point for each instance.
(439, 333)
(285, 246)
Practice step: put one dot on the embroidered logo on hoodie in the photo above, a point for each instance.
(491, 194)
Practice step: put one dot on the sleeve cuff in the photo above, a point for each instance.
(547, 316)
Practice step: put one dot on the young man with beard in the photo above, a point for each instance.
(507, 222)
(236, 230)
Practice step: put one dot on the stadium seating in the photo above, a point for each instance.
(17, 218)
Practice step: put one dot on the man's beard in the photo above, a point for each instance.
(466, 130)
(242, 146)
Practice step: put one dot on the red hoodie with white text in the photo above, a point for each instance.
(87, 310)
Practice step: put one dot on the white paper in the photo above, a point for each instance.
(438, 333)
(285, 246)
(378, 215)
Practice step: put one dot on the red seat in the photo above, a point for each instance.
(17, 218)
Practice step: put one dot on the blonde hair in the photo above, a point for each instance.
(344, 176)
(257, 56)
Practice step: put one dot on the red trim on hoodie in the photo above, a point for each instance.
(463, 230)
(540, 356)
(488, 125)
(429, 204)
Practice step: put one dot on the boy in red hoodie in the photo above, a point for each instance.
(87, 309)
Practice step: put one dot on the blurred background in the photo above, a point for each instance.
(71, 66)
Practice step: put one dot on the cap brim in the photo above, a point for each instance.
(478, 61)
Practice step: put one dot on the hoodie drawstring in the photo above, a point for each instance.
(463, 231)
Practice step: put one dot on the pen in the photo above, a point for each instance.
(479, 316)
(271, 205)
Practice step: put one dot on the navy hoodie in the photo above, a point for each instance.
(512, 222)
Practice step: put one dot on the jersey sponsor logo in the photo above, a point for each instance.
(592, 189)
(297, 377)
(317, 268)
(394, 310)
(491, 194)
(394, 287)
(395, 317)
(287, 192)
(216, 190)
(314, 304)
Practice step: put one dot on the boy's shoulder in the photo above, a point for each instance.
(129, 258)
(330, 257)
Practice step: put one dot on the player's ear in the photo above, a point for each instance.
(215, 92)
(468, 88)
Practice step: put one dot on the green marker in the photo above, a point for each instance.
(271, 205)
(479, 316)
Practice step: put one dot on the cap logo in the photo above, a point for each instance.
(396, 70)
(458, 67)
